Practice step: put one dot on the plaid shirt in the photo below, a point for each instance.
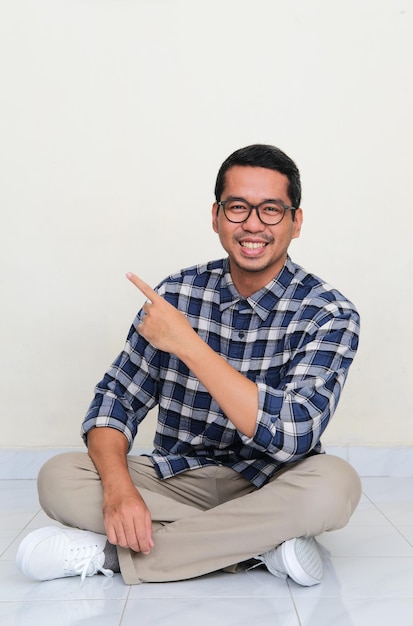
(295, 338)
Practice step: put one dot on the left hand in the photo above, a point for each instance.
(163, 325)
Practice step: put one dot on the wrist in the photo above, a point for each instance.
(190, 348)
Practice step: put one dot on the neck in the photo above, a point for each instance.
(249, 282)
(247, 285)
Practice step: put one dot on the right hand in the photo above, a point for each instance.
(128, 521)
(126, 517)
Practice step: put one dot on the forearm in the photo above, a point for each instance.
(126, 516)
(167, 329)
(235, 394)
(108, 449)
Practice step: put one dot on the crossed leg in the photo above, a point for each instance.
(209, 518)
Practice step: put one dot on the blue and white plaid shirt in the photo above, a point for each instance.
(295, 338)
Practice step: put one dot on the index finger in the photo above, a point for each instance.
(142, 286)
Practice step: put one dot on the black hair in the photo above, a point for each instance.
(261, 155)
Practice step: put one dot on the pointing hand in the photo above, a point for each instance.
(163, 325)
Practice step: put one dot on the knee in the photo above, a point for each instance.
(54, 471)
(340, 491)
(54, 479)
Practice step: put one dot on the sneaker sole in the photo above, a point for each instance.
(294, 568)
(25, 549)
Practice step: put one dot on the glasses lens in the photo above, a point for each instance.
(271, 212)
(236, 211)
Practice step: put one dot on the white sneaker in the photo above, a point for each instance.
(297, 558)
(54, 552)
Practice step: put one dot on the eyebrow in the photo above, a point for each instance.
(248, 202)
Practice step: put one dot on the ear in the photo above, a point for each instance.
(298, 222)
(215, 209)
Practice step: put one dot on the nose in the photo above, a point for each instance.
(253, 223)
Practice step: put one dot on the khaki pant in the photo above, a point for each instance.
(209, 518)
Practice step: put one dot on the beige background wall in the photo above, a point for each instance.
(114, 118)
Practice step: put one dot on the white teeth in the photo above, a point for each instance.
(251, 245)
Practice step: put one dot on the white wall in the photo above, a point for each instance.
(114, 119)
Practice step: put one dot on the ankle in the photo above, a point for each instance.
(111, 558)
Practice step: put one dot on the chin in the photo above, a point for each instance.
(252, 265)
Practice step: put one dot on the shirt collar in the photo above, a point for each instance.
(263, 301)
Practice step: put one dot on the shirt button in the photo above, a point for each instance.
(241, 335)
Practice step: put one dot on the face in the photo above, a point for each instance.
(257, 252)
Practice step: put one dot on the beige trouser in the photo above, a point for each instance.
(209, 518)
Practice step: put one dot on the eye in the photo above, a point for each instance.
(272, 209)
(237, 207)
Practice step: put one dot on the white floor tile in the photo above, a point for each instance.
(355, 541)
(355, 612)
(393, 496)
(216, 611)
(18, 484)
(407, 532)
(15, 519)
(17, 507)
(6, 539)
(16, 499)
(63, 613)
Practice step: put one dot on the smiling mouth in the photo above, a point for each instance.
(250, 245)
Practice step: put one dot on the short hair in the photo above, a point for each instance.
(262, 155)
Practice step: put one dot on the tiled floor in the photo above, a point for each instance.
(368, 579)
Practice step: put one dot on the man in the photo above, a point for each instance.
(246, 358)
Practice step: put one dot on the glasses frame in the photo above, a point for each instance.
(286, 207)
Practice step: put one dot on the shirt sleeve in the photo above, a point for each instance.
(293, 414)
(128, 390)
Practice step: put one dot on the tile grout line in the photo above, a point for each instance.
(387, 519)
(125, 606)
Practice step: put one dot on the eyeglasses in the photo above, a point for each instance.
(270, 212)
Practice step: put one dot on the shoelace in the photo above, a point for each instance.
(88, 564)
(85, 571)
